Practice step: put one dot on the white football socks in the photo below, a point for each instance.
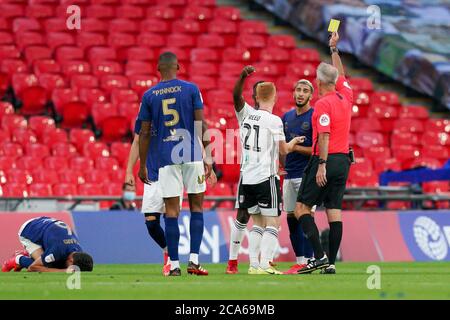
(237, 233)
(254, 247)
(193, 257)
(269, 243)
(174, 265)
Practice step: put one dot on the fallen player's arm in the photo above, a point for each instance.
(38, 266)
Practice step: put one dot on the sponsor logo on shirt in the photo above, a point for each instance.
(306, 126)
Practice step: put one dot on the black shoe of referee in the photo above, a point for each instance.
(331, 269)
(314, 264)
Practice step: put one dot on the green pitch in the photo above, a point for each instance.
(398, 281)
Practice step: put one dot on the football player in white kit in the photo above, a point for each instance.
(263, 139)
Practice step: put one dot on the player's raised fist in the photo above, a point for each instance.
(334, 39)
(248, 70)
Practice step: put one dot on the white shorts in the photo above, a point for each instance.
(290, 193)
(190, 175)
(152, 200)
(28, 245)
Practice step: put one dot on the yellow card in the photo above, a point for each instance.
(334, 25)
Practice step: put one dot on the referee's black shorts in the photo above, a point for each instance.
(310, 194)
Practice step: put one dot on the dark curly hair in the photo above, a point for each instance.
(83, 261)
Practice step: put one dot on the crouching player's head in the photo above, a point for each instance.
(266, 95)
(82, 260)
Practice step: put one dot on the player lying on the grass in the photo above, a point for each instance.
(172, 109)
(237, 229)
(262, 138)
(297, 122)
(50, 246)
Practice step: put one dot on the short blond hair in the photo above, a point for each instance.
(265, 91)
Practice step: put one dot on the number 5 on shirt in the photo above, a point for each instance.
(167, 111)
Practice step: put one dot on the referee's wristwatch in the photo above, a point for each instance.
(321, 161)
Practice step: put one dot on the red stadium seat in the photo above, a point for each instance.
(28, 163)
(27, 39)
(385, 97)
(438, 125)
(253, 27)
(33, 53)
(365, 139)
(231, 69)
(65, 189)
(9, 52)
(436, 152)
(114, 128)
(140, 54)
(101, 54)
(10, 10)
(23, 136)
(186, 26)
(90, 189)
(204, 55)
(406, 152)
(210, 41)
(302, 70)
(120, 151)
(63, 149)
(31, 94)
(80, 137)
(45, 176)
(219, 96)
(204, 3)
(71, 176)
(231, 172)
(367, 125)
(155, 26)
(199, 13)
(37, 150)
(389, 164)
(161, 12)
(59, 39)
(50, 82)
(128, 110)
(86, 40)
(377, 153)
(277, 56)
(401, 138)
(13, 121)
(141, 83)
(414, 112)
(55, 164)
(228, 13)
(123, 95)
(435, 138)
(81, 163)
(120, 39)
(281, 41)
(107, 164)
(6, 108)
(7, 162)
(112, 189)
(80, 81)
(5, 83)
(110, 82)
(95, 150)
(436, 187)
(46, 66)
(5, 136)
(101, 68)
(307, 55)
(100, 11)
(91, 96)
(236, 54)
(68, 53)
(39, 11)
(55, 25)
(15, 190)
(408, 125)
(130, 12)
(101, 111)
(123, 25)
(430, 163)
(151, 40)
(205, 83)
(361, 84)
(203, 69)
(139, 68)
(73, 67)
(19, 176)
(54, 136)
(180, 40)
(96, 176)
(94, 25)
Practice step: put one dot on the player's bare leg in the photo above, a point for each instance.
(334, 238)
(173, 233)
(196, 232)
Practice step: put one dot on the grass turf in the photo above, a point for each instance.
(398, 281)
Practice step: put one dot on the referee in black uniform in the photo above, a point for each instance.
(325, 177)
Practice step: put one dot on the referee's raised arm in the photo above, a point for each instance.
(335, 58)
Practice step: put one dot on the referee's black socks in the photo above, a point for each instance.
(311, 231)
(334, 240)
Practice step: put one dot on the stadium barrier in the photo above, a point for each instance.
(121, 237)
